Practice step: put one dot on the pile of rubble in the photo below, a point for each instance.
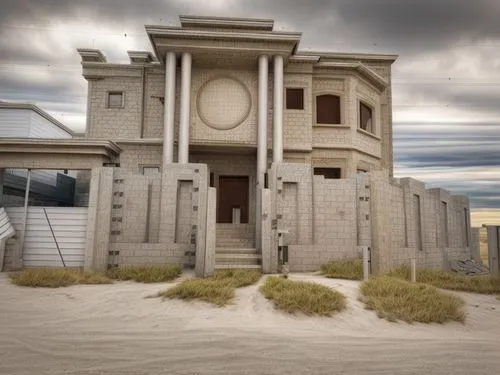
(468, 267)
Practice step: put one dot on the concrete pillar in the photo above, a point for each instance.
(169, 113)
(278, 110)
(185, 108)
(261, 142)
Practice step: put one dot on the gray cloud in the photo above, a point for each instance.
(437, 40)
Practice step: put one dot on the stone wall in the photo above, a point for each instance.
(136, 219)
(397, 219)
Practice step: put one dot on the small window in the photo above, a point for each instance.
(115, 99)
(328, 109)
(294, 98)
(362, 171)
(150, 171)
(328, 173)
(365, 117)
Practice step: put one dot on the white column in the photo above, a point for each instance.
(168, 116)
(261, 142)
(278, 110)
(185, 109)
(262, 121)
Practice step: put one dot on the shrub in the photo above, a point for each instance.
(343, 269)
(453, 281)
(395, 299)
(145, 274)
(218, 290)
(305, 297)
(56, 277)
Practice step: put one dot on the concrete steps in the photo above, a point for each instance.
(235, 247)
(237, 259)
(231, 267)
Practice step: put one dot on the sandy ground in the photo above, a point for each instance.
(113, 329)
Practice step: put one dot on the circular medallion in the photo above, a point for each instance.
(223, 103)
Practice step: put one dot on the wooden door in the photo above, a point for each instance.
(232, 196)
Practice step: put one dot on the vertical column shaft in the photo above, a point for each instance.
(185, 108)
(169, 113)
(278, 110)
(261, 142)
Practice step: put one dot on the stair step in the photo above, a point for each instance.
(236, 250)
(233, 256)
(233, 267)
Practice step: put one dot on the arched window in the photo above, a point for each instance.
(328, 109)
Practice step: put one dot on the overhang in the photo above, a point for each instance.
(56, 153)
(217, 42)
(359, 69)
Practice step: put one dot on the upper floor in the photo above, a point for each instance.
(331, 100)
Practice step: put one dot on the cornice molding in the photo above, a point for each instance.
(358, 67)
(59, 146)
(226, 22)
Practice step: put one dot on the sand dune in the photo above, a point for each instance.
(113, 329)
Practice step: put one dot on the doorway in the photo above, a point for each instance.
(233, 199)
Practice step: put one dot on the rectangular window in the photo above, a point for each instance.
(328, 109)
(466, 224)
(365, 117)
(328, 173)
(150, 171)
(115, 99)
(417, 221)
(212, 179)
(294, 98)
(443, 217)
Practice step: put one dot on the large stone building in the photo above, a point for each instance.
(228, 146)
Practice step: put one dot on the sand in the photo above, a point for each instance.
(113, 329)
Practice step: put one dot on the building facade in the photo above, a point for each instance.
(234, 148)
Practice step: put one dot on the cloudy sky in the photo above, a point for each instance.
(446, 82)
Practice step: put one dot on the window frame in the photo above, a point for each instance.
(325, 168)
(108, 97)
(143, 167)
(371, 107)
(302, 89)
(341, 108)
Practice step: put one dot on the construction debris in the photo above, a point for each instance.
(468, 267)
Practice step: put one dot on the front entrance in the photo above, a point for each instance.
(233, 198)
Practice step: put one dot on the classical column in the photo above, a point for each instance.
(168, 116)
(262, 121)
(261, 141)
(185, 108)
(278, 110)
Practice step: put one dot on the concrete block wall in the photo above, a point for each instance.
(115, 123)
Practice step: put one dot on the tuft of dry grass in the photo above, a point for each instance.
(343, 269)
(395, 299)
(305, 297)
(56, 277)
(145, 274)
(238, 278)
(453, 281)
(218, 290)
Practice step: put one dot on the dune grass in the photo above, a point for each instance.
(343, 269)
(56, 277)
(145, 274)
(305, 297)
(218, 290)
(453, 281)
(395, 299)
